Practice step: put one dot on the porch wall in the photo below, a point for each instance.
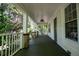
(65, 43)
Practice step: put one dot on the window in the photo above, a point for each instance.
(71, 22)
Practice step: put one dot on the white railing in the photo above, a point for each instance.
(10, 43)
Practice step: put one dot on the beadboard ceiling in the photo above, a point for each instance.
(40, 11)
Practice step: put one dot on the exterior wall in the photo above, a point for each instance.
(51, 33)
(65, 43)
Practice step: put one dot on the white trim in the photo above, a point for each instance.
(15, 52)
(78, 20)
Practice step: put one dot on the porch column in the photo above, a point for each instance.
(25, 31)
(25, 22)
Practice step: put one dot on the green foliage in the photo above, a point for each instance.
(0, 41)
(5, 24)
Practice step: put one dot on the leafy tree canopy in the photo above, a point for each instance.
(5, 24)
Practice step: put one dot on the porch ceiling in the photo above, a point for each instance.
(40, 11)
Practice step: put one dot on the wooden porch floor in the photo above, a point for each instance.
(42, 46)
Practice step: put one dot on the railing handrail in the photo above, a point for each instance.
(3, 34)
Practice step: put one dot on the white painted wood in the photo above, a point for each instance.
(6, 46)
(25, 22)
(41, 11)
(9, 41)
(15, 52)
(21, 40)
(12, 49)
(2, 45)
(9, 44)
(14, 41)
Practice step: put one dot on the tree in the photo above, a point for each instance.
(5, 24)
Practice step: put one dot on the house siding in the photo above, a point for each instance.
(65, 43)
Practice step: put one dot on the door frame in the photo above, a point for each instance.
(55, 29)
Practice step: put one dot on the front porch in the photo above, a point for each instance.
(42, 46)
(60, 23)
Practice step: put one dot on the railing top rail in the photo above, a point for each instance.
(3, 34)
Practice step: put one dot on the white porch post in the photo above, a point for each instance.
(25, 25)
(25, 22)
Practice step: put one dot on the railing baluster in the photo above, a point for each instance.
(0, 52)
(12, 45)
(13, 42)
(20, 41)
(9, 44)
(2, 45)
(6, 45)
(16, 43)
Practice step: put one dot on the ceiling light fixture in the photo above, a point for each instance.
(42, 20)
